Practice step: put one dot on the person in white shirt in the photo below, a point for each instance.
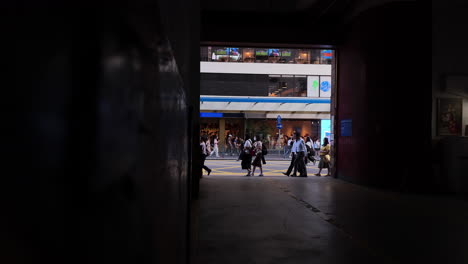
(300, 149)
(247, 156)
(215, 147)
(204, 153)
(316, 144)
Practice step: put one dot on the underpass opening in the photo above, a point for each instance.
(267, 92)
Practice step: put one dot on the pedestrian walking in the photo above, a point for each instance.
(229, 148)
(257, 150)
(240, 146)
(324, 158)
(316, 144)
(310, 151)
(300, 149)
(215, 147)
(293, 158)
(204, 154)
(247, 155)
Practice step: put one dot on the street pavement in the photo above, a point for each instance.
(273, 168)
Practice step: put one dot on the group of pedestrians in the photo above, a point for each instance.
(252, 154)
(304, 151)
(255, 150)
(232, 145)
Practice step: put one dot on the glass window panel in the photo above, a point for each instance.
(300, 83)
(248, 54)
(274, 85)
(220, 54)
(261, 55)
(235, 54)
(315, 56)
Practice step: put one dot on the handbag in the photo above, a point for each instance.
(326, 158)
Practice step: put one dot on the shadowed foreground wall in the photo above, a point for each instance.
(99, 146)
(380, 73)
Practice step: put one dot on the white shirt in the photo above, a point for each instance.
(289, 142)
(203, 145)
(299, 146)
(309, 144)
(247, 144)
(258, 145)
(316, 145)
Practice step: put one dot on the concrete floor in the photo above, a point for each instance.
(276, 219)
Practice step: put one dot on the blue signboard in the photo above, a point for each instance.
(346, 128)
(278, 122)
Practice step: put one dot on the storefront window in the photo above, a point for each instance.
(235, 54)
(287, 86)
(274, 85)
(209, 127)
(248, 55)
(315, 56)
(220, 54)
(300, 84)
(266, 55)
(273, 55)
(286, 56)
(261, 55)
(234, 127)
(303, 57)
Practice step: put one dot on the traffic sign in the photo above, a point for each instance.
(278, 119)
(279, 126)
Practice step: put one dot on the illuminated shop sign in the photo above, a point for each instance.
(327, 54)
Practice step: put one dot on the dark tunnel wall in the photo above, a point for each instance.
(380, 73)
(100, 133)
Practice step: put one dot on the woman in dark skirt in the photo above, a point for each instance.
(246, 156)
(257, 147)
